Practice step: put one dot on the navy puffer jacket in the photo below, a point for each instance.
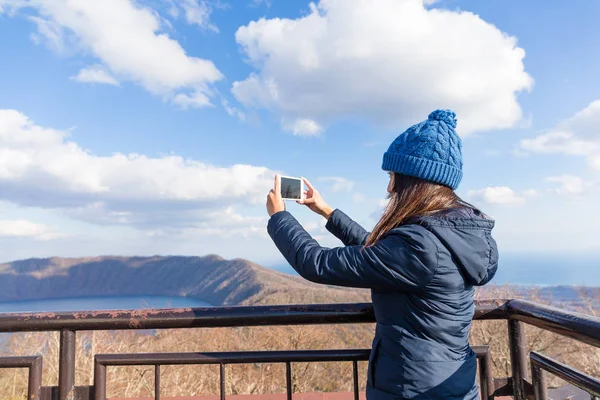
(422, 276)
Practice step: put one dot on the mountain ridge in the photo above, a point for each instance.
(209, 278)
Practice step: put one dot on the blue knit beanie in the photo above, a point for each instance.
(429, 150)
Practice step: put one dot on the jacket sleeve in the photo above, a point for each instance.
(345, 229)
(405, 260)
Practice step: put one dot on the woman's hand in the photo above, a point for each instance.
(275, 203)
(314, 201)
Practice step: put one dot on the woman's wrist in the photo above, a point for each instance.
(326, 212)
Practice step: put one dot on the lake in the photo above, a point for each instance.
(100, 303)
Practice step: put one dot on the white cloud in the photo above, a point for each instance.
(26, 229)
(558, 141)
(577, 136)
(49, 33)
(41, 167)
(256, 3)
(192, 100)
(127, 41)
(304, 127)
(224, 223)
(594, 161)
(233, 111)
(389, 61)
(531, 193)
(337, 183)
(570, 185)
(197, 12)
(498, 195)
(95, 74)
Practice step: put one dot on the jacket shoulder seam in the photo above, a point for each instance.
(433, 239)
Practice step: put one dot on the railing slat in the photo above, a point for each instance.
(571, 375)
(99, 380)
(209, 317)
(212, 317)
(157, 382)
(34, 366)
(518, 357)
(34, 386)
(485, 372)
(233, 357)
(538, 378)
(224, 358)
(288, 380)
(582, 327)
(355, 378)
(66, 365)
(222, 381)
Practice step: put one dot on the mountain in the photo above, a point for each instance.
(211, 279)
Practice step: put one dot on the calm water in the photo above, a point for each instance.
(100, 303)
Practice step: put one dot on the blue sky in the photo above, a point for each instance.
(154, 126)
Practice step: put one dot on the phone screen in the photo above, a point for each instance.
(291, 188)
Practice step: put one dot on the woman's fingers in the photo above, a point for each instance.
(306, 202)
(307, 183)
(276, 185)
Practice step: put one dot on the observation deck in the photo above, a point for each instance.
(529, 369)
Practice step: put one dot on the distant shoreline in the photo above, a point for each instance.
(111, 302)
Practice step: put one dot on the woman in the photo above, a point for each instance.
(421, 262)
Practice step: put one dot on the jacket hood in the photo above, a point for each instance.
(467, 234)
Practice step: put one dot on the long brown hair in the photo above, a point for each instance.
(411, 197)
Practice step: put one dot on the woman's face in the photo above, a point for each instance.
(390, 187)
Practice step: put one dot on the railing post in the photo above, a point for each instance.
(355, 379)
(66, 365)
(518, 357)
(485, 376)
(34, 388)
(157, 382)
(99, 380)
(538, 378)
(288, 380)
(222, 381)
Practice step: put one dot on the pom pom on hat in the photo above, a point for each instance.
(447, 116)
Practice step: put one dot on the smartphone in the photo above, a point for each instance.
(291, 188)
